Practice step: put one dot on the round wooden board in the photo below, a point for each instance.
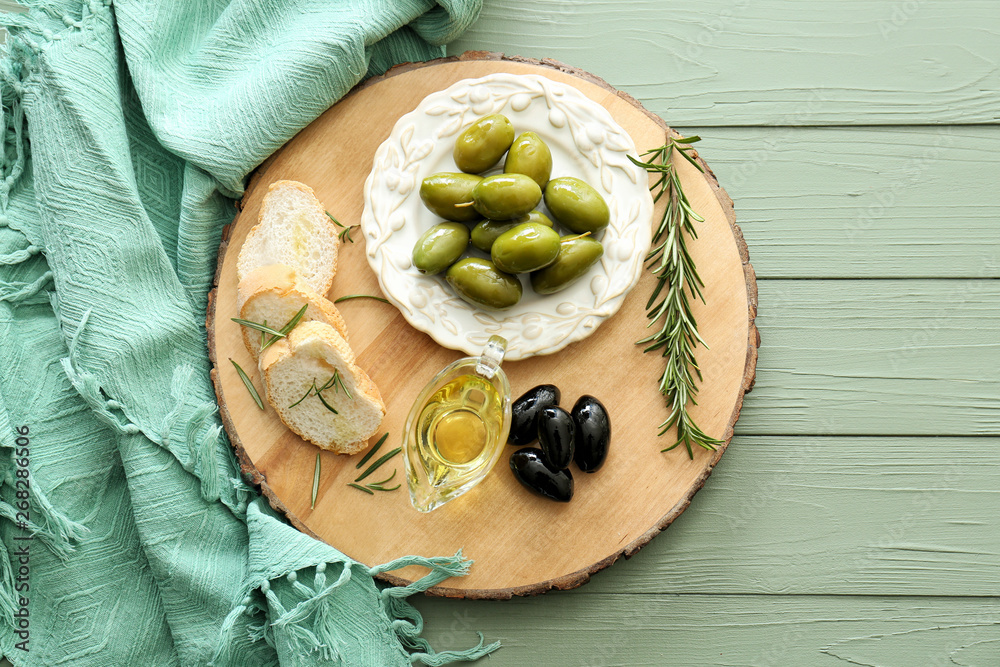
(521, 544)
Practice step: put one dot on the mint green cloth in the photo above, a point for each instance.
(128, 129)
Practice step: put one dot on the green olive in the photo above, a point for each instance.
(506, 196)
(530, 156)
(440, 247)
(537, 216)
(482, 144)
(442, 193)
(527, 247)
(480, 283)
(576, 255)
(575, 204)
(487, 231)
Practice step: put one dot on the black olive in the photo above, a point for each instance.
(593, 433)
(530, 470)
(524, 413)
(556, 432)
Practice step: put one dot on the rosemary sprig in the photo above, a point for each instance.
(675, 270)
(375, 466)
(345, 235)
(249, 385)
(337, 382)
(319, 393)
(345, 230)
(315, 483)
(361, 296)
(371, 452)
(361, 488)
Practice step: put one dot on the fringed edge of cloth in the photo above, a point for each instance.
(316, 604)
(407, 621)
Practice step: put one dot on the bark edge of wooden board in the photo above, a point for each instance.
(283, 492)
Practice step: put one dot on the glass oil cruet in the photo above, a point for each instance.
(457, 428)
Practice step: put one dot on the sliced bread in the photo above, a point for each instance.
(292, 229)
(272, 295)
(294, 368)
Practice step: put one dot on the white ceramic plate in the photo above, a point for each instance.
(585, 142)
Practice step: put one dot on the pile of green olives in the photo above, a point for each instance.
(580, 436)
(502, 210)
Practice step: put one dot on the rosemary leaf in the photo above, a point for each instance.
(263, 328)
(376, 487)
(361, 488)
(675, 269)
(292, 323)
(335, 221)
(375, 466)
(371, 452)
(325, 404)
(315, 483)
(308, 393)
(361, 296)
(338, 380)
(249, 385)
(384, 481)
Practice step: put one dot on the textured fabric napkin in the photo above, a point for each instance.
(128, 536)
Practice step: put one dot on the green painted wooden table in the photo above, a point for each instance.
(855, 519)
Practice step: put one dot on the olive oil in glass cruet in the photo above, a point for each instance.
(457, 428)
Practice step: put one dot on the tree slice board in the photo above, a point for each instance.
(521, 544)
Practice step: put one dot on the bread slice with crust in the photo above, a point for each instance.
(304, 362)
(272, 295)
(292, 229)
